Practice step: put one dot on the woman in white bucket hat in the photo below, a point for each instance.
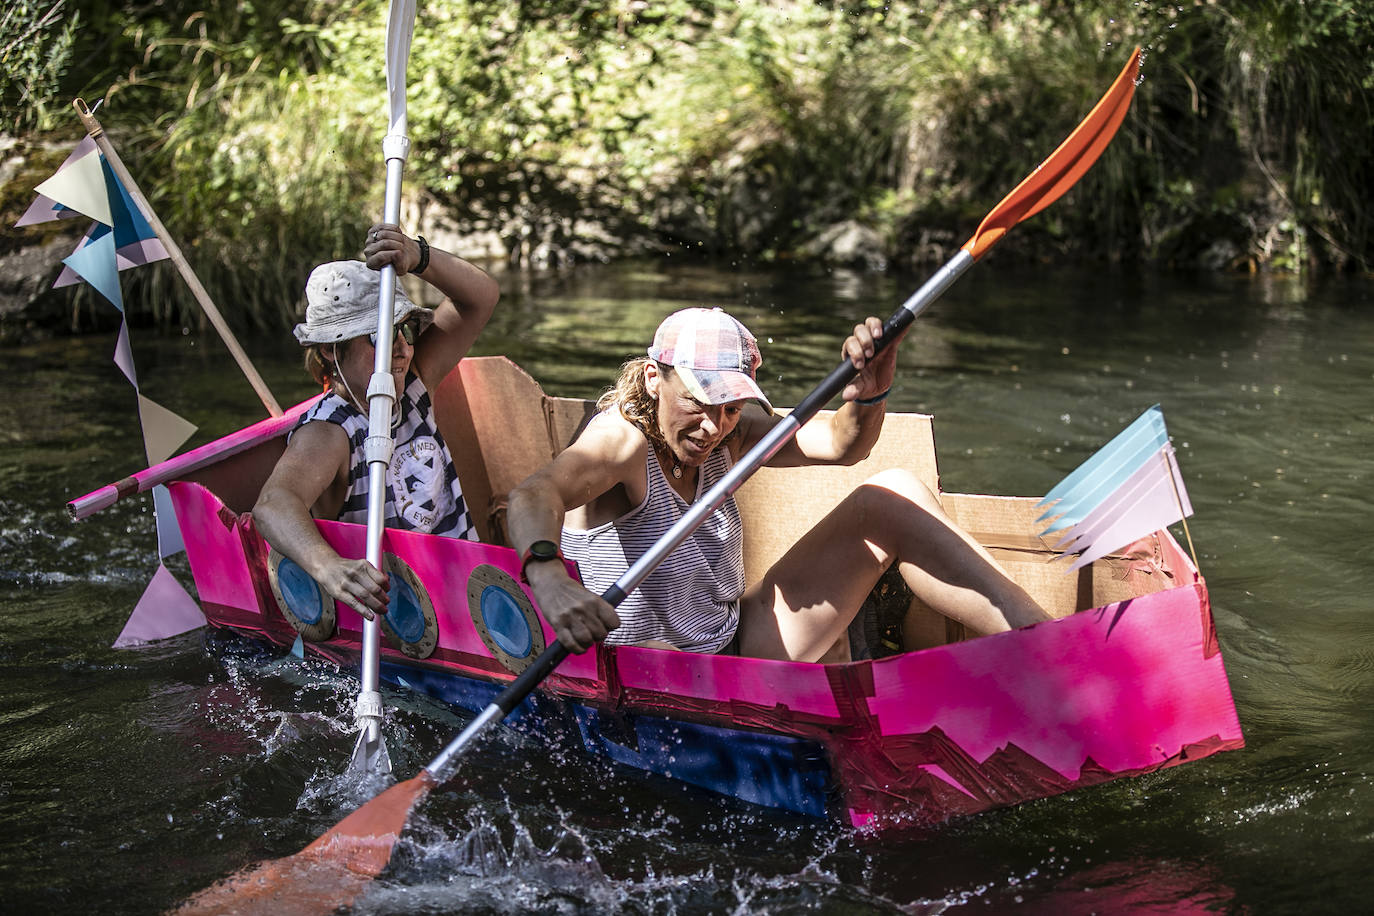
(323, 473)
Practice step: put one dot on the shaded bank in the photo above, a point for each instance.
(566, 131)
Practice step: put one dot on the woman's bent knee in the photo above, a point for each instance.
(906, 485)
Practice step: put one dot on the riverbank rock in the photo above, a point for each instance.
(28, 307)
(849, 243)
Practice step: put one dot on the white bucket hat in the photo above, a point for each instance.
(341, 303)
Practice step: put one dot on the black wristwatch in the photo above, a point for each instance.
(539, 552)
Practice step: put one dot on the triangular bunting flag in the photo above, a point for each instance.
(69, 277)
(95, 263)
(130, 223)
(45, 209)
(133, 252)
(124, 355)
(163, 431)
(169, 541)
(164, 610)
(80, 185)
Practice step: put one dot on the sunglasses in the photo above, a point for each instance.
(409, 329)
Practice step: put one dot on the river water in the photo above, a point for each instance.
(131, 778)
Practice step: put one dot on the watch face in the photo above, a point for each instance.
(543, 550)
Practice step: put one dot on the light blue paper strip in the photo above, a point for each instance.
(1095, 479)
(1099, 486)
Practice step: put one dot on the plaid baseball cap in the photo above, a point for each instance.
(341, 303)
(715, 355)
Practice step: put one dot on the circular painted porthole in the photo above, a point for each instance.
(504, 618)
(409, 622)
(302, 601)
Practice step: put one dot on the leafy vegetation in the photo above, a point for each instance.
(593, 128)
(35, 47)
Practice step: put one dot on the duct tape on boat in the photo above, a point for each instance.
(505, 618)
(409, 622)
(302, 601)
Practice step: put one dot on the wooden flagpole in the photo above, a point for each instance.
(1169, 465)
(98, 135)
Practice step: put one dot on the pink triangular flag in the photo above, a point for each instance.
(44, 210)
(164, 610)
(124, 356)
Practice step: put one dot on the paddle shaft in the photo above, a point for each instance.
(381, 400)
(370, 752)
(707, 503)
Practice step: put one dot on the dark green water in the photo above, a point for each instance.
(129, 779)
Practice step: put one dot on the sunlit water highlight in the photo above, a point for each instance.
(131, 779)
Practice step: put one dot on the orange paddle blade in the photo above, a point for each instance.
(329, 873)
(1065, 165)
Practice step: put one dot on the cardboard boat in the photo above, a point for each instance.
(1126, 680)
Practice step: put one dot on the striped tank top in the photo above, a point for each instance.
(691, 600)
(423, 490)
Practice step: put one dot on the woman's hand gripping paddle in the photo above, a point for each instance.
(332, 871)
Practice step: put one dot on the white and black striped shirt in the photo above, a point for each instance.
(691, 600)
(424, 493)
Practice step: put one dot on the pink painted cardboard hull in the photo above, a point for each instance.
(908, 740)
(1128, 680)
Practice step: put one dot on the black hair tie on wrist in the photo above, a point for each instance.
(876, 399)
(424, 256)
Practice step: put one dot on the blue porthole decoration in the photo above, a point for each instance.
(504, 618)
(302, 601)
(409, 622)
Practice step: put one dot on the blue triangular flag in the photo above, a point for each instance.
(96, 265)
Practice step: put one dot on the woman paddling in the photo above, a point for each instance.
(670, 428)
(323, 472)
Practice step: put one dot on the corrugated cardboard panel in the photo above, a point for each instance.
(779, 504)
(566, 417)
(1008, 527)
(494, 402)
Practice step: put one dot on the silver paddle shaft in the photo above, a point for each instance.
(767, 447)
